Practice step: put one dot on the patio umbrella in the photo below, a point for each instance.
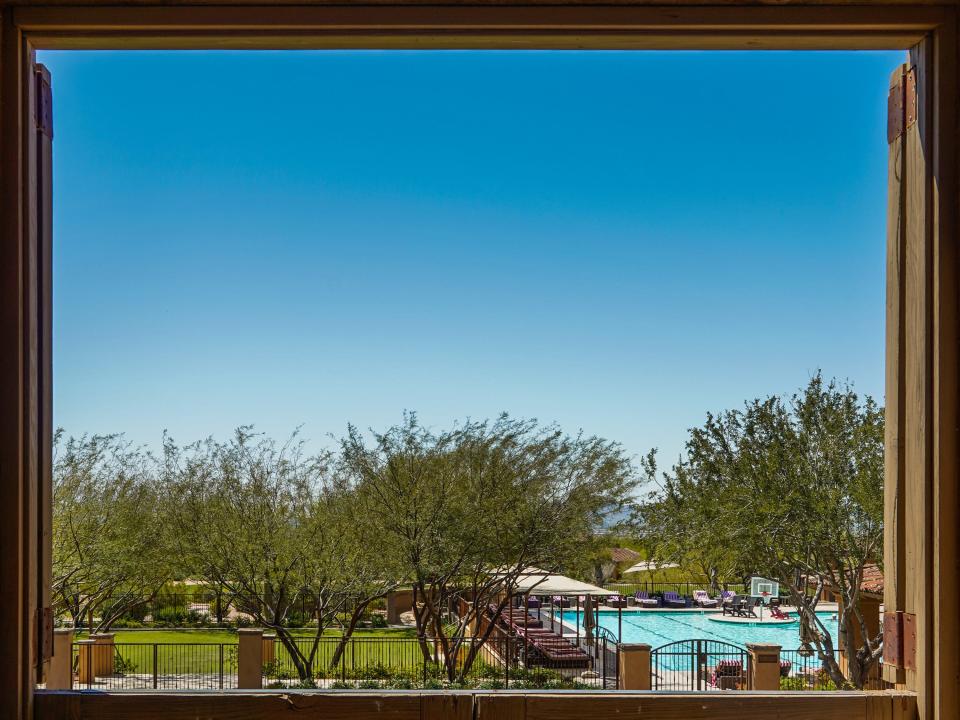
(588, 623)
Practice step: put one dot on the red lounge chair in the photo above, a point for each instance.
(778, 614)
(727, 675)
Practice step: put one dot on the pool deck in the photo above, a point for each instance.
(759, 620)
(821, 607)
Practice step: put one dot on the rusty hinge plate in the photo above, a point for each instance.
(902, 105)
(44, 117)
(909, 641)
(44, 634)
(893, 639)
(900, 640)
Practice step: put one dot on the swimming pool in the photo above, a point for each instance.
(662, 628)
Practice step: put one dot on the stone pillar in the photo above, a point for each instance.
(250, 658)
(763, 666)
(634, 667)
(103, 651)
(85, 675)
(398, 602)
(269, 647)
(60, 670)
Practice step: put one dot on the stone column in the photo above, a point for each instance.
(102, 654)
(763, 666)
(398, 602)
(60, 671)
(250, 658)
(85, 674)
(634, 667)
(269, 647)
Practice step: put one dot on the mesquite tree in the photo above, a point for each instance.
(110, 541)
(791, 489)
(260, 519)
(469, 510)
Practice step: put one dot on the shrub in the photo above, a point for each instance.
(122, 666)
(296, 619)
(273, 669)
(178, 617)
(342, 685)
(486, 671)
(376, 671)
(125, 622)
(491, 685)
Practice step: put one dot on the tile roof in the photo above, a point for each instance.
(622, 555)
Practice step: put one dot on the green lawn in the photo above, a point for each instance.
(214, 651)
(214, 635)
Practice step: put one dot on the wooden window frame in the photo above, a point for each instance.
(922, 362)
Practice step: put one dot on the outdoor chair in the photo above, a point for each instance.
(731, 603)
(561, 602)
(728, 675)
(701, 598)
(672, 599)
(616, 601)
(644, 600)
(777, 613)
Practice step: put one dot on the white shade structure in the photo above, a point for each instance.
(648, 565)
(539, 582)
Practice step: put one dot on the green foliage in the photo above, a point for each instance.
(375, 671)
(110, 531)
(469, 510)
(273, 669)
(821, 681)
(123, 666)
(791, 489)
(178, 617)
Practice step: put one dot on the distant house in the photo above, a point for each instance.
(615, 561)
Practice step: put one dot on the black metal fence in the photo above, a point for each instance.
(500, 662)
(698, 665)
(160, 666)
(361, 662)
(800, 670)
(685, 589)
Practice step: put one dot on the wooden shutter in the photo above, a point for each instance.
(921, 501)
(41, 169)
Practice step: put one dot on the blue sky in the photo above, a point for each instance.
(611, 241)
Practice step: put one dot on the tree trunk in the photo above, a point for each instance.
(303, 665)
(348, 632)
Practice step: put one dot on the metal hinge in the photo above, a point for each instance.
(44, 113)
(902, 105)
(900, 640)
(44, 634)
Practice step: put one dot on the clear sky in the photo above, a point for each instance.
(613, 241)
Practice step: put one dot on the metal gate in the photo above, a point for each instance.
(698, 665)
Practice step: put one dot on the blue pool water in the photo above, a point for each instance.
(661, 628)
